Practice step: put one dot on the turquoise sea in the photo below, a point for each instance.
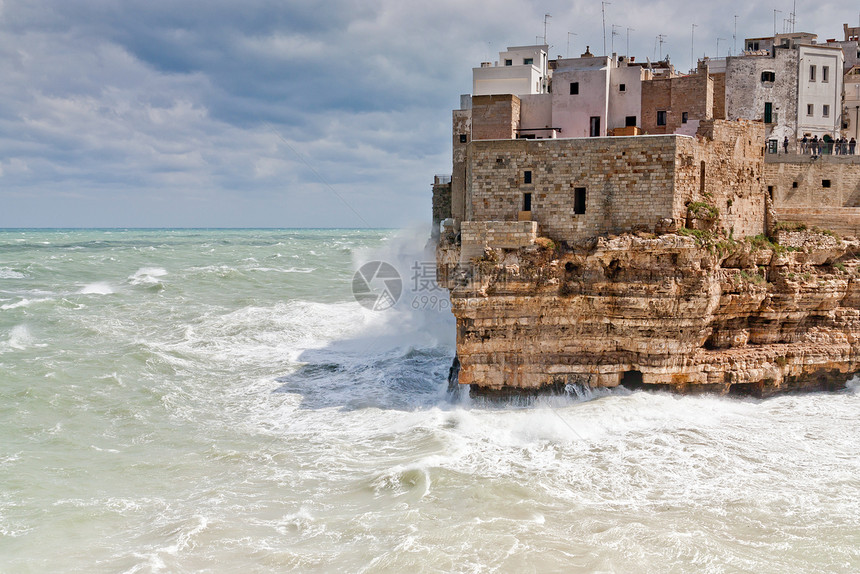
(217, 401)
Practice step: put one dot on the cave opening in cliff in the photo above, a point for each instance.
(632, 380)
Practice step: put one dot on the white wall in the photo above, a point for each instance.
(628, 102)
(818, 92)
(572, 113)
(536, 112)
(496, 80)
(519, 78)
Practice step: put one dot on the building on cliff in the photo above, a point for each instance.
(689, 259)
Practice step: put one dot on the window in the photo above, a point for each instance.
(811, 73)
(825, 111)
(622, 87)
(825, 183)
(661, 118)
(808, 109)
(528, 61)
(630, 122)
(527, 202)
(574, 88)
(768, 112)
(509, 62)
(768, 76)
(594, 126)
(752, 46)
(684, 117)
(578, 200)
(825, 73)
(527, 178)
(793, 185)
(463, 138)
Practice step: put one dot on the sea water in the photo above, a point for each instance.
(217, 401)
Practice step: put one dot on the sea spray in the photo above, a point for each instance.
(238, 419)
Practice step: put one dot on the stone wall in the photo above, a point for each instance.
(800, 192)
(723, 168)
(746, 93)
(691, 94)
(441, 204)
(802, 181)
(719, 96)
(495, 117)
(476, 236)
(461, 136)
(628, 182)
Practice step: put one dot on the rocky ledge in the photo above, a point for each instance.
(686, 312)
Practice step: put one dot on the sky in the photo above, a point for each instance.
(284, 113)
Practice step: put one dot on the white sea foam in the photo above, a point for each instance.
(7, 273)
(98, 288)
(147, 276)
(314, 435)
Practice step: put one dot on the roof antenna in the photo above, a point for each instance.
(545, 18)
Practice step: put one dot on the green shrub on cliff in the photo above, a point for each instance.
(703, 210)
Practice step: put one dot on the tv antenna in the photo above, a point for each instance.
(603, 12)
(627, 53)
(612, 40)
(660, 39)
(569, 34)
(545, 18)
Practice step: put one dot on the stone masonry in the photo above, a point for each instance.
(628, 183)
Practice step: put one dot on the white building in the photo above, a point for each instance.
(852, 103)
(593, 95)
(819, 91)
(521, 70)
(568, 97)
(790, 83)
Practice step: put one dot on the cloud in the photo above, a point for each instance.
(158, 113)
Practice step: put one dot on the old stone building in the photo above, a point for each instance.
(676, 105)
(649, 260)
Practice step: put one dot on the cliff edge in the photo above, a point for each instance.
(691, 311)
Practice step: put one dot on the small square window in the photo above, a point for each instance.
(527, 178)
(768, 76)
(825, 183)
(809, 109)
(825, 73)
(684, 117)
(811, 73)
(793, 185)
(528, 61)
(630, 122)
(463, 138)
(574, 88)
(622, 87)
(825, 111)
(509, 62)
(661, 118)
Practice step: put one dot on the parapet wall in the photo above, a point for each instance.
(818, 192)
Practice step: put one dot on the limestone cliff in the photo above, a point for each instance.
(684, 312)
